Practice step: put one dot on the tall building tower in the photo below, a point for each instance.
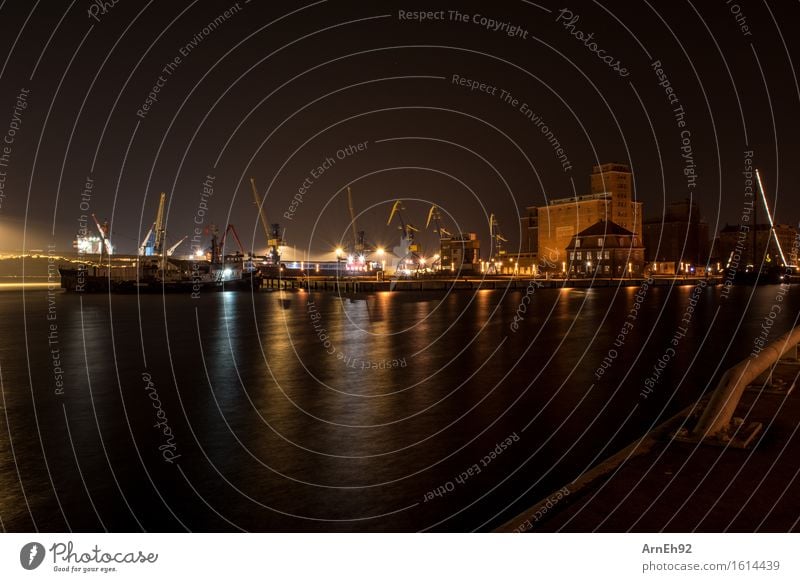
(617, 181)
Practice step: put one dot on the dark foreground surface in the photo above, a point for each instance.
(677, 486)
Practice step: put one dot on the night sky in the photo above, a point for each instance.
(275, 88)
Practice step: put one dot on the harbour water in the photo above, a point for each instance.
(290, 411)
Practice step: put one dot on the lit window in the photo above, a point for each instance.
(578, 255)
(607, 254)
(571, 256)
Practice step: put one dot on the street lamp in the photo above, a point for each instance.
(339, 252)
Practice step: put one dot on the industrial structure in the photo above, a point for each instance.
(759, 242)
(758, 248)
(461, 252)
(88, 245)
(498, 249)
(156, 270)
(100, 244)
(358, 253)
(678, 242)
(547, 230)
(272, 232)
(153, 242)
(443, 259)
(568, 238)
(407, 252)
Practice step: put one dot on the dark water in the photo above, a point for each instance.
(271, 432)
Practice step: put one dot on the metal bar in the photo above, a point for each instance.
(718, 413)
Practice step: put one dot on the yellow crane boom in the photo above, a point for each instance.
(159, 225)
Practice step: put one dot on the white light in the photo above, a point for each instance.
(771, 224)
(198, 253)
(226, 273)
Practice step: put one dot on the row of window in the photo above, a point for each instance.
(572, 269)
(588, 255)
(605, 269)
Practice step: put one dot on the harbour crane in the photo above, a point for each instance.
(159, 227)
(407, 229)
(445, 236)
(271, 231)
(106, 242)
(218, 244)
(146, 248)
(408, 249)
(357, 260)
(171, 249)
(360, 246)
(435, 217)
(153, 242)
(232, 230)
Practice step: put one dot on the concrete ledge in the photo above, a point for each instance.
(526, 520)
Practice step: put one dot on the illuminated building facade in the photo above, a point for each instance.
(549, 229)
(605, 249)
(462, 251)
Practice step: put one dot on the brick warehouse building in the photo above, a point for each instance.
(547, 230)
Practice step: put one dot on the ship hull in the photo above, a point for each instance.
(81, 281)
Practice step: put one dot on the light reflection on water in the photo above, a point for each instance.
(257, 399)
